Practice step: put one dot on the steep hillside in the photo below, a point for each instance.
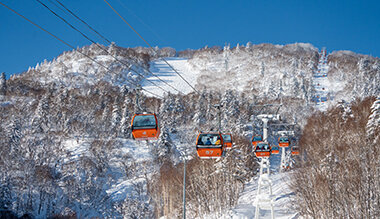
(263, 70)
(112, 64)
(357, 75)
(66, 147)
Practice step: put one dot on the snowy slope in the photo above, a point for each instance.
(167, 74)
(263, 70)
(281, 195)
(119, 190)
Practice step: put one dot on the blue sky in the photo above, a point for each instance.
(336, 25)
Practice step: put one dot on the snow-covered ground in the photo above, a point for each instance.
(167, 74)
(281, 195)
(119, 190)
(246, 207)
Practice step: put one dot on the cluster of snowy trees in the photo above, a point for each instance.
(40, 175)
(358, 75)
(96, 63)
(72, 102)
(339, 176)
(264, 70)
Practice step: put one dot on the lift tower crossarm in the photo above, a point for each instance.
(268, 105)
(265, 118)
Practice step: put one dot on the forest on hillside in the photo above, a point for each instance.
(339, 176)
(41, 177)
(66, 140)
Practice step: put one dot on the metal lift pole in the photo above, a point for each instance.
(184, 188)
(265, 199)
(265, 129)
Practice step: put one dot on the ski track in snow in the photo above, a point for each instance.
(167, 74)
(322, 84)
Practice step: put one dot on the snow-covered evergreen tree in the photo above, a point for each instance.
(373, 125)
(14, 134)
(41, 119)
(262, 69)
(167, 114)
(237, 48)
(199, 118)
(125, 118)
(164, 148)
(230, 110)
(179, 108)
(3, 84)
(116, 116)
(5, 195)
(248, 47)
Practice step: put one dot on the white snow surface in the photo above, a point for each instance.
(162, 70)
(281, 197)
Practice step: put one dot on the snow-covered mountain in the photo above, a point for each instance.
(88, 66)
(263, 71)
(66, 146)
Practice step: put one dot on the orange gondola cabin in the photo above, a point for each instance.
(283, 141)
(262, 149)
(227, 140)
(295, 150)
(210, 145)
(256, 139)
(145, 127)
(275, 149)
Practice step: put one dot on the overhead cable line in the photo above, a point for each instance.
(146, 69)
(142, 22)
(132, 82)
(127, 64)
(152, 48)
(84, 22)
(122, 62)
